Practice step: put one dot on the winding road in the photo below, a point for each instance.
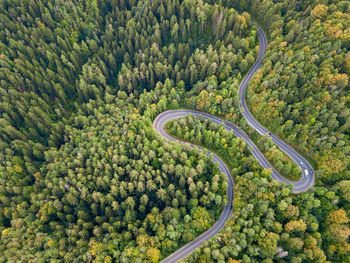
(302, 185)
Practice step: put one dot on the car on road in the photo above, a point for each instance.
(306, 173)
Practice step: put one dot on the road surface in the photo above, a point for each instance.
(302, 185)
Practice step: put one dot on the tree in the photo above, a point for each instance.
(295, 226)
(337, 217)
(345, 189)
(268, 244)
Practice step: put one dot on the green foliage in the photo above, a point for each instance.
(114, 182)
(216, 138)
(278, 159)
(301, 91)
(83, 175)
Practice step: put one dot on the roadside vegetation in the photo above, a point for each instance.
(84, 177)
(268, 220)
(278, 159)
(216, 138)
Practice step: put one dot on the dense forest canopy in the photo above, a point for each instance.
(302, 90)
(85, 177)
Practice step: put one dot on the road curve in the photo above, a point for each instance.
(302, 185)
(308, 175)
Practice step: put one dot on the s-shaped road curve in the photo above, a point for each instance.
(302, 185)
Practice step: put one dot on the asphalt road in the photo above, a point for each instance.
(308, 177)
(302, 185)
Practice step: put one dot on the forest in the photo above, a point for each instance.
(84, 176)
